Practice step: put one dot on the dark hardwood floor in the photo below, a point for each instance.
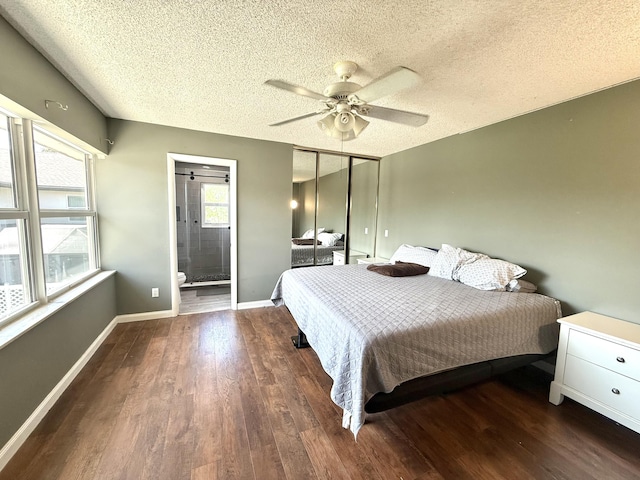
(225, 395)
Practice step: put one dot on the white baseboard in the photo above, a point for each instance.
(15, 442)
(140, 317)
(256, 304)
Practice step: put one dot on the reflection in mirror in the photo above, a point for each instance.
(321, 207)
(363, 213)
(333, 184)
(303, 208)
(320, 216)
(304, 192)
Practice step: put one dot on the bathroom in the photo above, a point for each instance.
(203, 237)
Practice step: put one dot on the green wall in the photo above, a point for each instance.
(32, 365)
(556, 191)
(28, 79)
(295, 212)
(306, 206)
(133, 210)
(332, 200)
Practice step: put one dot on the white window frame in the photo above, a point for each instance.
(29, 214)
(20, 212)
(203, 205)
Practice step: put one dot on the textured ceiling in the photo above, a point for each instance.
(202, 65)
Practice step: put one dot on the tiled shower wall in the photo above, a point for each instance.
(203, 253)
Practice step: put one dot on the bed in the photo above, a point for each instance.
(373, 333)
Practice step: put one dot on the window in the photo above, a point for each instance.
(61, 177)
(48, 247)
(76, 201)
(7, 182)
(14, 293)
(215, 205)
(15, 290)
(60, 171)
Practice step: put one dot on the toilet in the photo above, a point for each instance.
(181, 278)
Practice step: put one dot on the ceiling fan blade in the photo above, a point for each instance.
(305, 92)
(301, 117)
(391, 82)
(396, 116)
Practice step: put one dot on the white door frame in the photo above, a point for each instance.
(172, 158)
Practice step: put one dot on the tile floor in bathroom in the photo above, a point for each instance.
(204, 299)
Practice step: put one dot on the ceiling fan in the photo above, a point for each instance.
(345, 102)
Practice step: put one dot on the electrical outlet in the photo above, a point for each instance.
(366, 231)
(155, 292)
(386, 233)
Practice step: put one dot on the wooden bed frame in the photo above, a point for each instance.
(438, 383)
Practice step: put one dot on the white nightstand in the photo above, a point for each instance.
(598, 366)
(370, 260)
(339, 258)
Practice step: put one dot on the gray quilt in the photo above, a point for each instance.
(373, 332)
(302, 255)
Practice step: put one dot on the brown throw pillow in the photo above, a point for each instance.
(303, 241)
(399, 269)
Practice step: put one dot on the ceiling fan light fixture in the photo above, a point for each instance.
(344, 121)
(327, 124)
(344, 136)
(345, 101)
(342, 126)
(359, 124)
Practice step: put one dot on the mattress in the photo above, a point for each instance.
(373, 332)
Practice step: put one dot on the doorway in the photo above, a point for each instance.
(203, 232)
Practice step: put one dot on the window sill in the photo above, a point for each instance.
(24, 323)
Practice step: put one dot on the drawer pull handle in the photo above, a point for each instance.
(616, 391)
(620, 359)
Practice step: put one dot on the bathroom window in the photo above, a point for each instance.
(215, 205)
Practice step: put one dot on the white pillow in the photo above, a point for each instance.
(488, 273)
(309, 233)
(329, 239)
(448, 261)
(410, 254)
(521, 286)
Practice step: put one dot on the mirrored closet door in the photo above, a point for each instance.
(334, 197)
(363, 210)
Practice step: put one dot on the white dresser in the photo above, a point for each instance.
(598, 365)
(339, 257)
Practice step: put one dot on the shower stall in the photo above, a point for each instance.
(203, 231)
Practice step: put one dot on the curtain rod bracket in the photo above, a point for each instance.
(60, 105)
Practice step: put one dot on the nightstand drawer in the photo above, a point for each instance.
(339, 257)
(608, 354)
(616, 391)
